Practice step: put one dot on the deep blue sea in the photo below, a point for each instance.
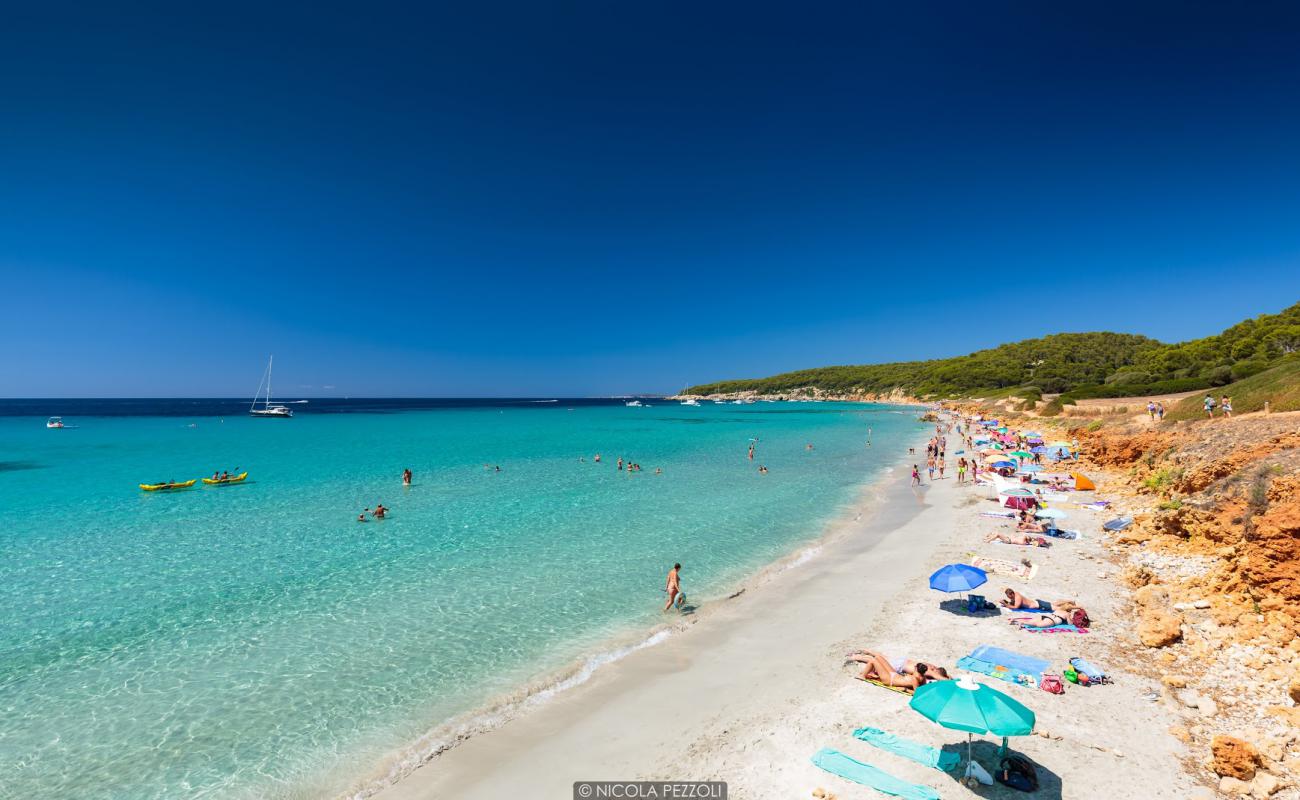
(255, 640)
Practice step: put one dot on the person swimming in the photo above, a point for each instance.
(380, 511)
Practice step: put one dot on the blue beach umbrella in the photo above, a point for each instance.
(1003, 464)
(1039, 449)
(958, 578)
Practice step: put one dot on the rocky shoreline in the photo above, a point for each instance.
(1211, 566)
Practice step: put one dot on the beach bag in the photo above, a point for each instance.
(974, 602)
(1018, 773)
(1079, 618)
(1052, 683)
(1088, 671)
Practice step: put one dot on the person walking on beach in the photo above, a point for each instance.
(916, 475)
(940, 467)
(1209, 406)
(929, 467)
(1226, 405)
(961, 470)
(674, 587)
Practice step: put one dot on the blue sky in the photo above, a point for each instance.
(574, 199)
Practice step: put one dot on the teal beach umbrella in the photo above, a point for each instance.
(964, 705)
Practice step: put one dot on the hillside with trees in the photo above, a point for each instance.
(1075, 365)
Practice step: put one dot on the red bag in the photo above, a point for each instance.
(1052, 683)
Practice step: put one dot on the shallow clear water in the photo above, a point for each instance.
(247, 640)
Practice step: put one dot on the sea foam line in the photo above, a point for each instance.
(449, 735)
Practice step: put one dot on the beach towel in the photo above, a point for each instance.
(836, 763)
(999, 514)
(874, 682)
(1000, 567)
(1007, 658)
(1057, 533)
(1052, 629)
(998, 671)
(920, 753)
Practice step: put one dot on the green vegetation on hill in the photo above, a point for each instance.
(1078, 365)
(1278, 386)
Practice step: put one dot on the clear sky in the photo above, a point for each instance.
(571, 199)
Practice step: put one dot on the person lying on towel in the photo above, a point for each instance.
(1062, 614)
(903, 673)
(1018, 602)
(1018, 538)
(1027, 523)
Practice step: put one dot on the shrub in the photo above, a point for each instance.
(1171, 505)
(1123, 378)
(1244, 369)
(1219, 376)
(1094, 426)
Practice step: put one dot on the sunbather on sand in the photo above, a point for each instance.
(902, 672)
(1060, 616)
(1018, 602)
(1016, 538)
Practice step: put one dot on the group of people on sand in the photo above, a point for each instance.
(1155, 411)
(907, 674)
(1225, 406)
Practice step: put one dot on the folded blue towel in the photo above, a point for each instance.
(992, 670)
(836, 763)
(920, 753)
(1006, 658)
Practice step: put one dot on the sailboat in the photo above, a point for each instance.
(268, 410)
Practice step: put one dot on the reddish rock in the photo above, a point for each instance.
(1234, 758)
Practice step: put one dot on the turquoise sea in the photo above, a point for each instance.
(254, 640)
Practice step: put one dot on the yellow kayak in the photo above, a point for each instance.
(156, 487)
(231, 479)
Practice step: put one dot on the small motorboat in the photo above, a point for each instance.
(54, 422)
(633, 404)
(167, 487)
(690, 401)
(220, 481)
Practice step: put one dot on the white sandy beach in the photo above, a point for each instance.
(753, 690)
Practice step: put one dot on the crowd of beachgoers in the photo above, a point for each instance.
(1024, 485)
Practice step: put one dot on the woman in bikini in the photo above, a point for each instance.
(1058, 614)
(901, 673)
